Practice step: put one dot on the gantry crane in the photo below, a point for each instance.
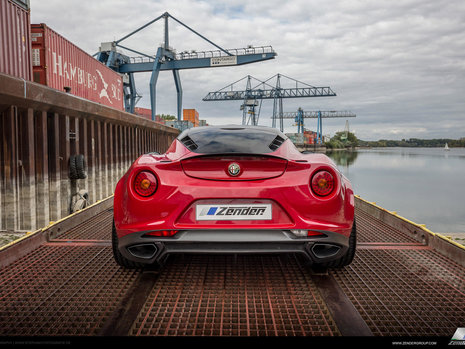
(265, 90)
(166, 58)
(300, 115)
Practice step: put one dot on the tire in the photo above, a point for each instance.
(349, 255)
(80, 166)
(119, 258)
(72, 167)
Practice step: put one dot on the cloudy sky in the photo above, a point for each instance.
(398, 65)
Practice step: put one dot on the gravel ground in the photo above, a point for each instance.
(6, 238)
(457, 237)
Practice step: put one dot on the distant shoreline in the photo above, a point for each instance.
(414, 143)
(374, 147)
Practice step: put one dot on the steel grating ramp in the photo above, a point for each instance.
(70, 286)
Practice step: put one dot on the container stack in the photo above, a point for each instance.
(296, 138)
(181, 125)
(308, 137)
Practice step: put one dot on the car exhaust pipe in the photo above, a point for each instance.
(144, 251)
(321, 250)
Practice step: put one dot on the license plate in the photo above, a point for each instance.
(253, 212)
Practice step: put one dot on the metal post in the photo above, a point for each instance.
(319, 129)
(177, 82)
(153, 82)
(111, 57)
(132, 93)
(300, 120)
(166, 16)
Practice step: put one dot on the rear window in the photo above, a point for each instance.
(215, 140)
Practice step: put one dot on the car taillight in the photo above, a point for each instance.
(162, 233)
(145, 183)
(322, 183)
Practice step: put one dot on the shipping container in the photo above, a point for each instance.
(181, 125)
(191, 115)
(296, 138)
(60, 64)
(144, 112)
(309, 138)
(15, 39)
(147, 113)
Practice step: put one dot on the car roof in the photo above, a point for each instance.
(232, 139)
(229, 128)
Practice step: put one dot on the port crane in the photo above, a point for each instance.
(166, 58)
(300, 115)
(252, 96)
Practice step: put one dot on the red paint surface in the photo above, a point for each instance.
(294, 205)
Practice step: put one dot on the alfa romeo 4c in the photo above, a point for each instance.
(233, 189)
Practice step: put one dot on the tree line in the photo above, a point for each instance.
(414, 142)
(344, 140)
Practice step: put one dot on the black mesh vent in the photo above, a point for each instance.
(189, 143)
(276, 143)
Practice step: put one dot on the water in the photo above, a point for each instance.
(425, 185)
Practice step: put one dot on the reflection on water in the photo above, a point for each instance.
(425, 185)
(343, 158)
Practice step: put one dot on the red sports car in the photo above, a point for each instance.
(233, 189)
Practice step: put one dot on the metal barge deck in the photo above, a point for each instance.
(62, 281)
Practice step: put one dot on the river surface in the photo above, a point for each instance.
(425, 185)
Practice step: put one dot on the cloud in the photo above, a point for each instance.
(398, 65)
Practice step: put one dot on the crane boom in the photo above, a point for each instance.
(166, 58)
(322, 114)
(270, 93)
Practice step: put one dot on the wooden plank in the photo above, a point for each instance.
(65, 152)
(41, 165)
(55, 166)
(92, 161)
(105, 160)
(27, 208)
(111, 176)
(83, 149)
(10, 198)
(99, 153)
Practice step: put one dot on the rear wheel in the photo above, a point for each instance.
(119, 258)
(348, 257)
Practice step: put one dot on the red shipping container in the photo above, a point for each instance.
(144, 112)
(60, 64)
(147, 113)
(15, 40)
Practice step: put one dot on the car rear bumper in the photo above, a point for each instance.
(149, 249)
